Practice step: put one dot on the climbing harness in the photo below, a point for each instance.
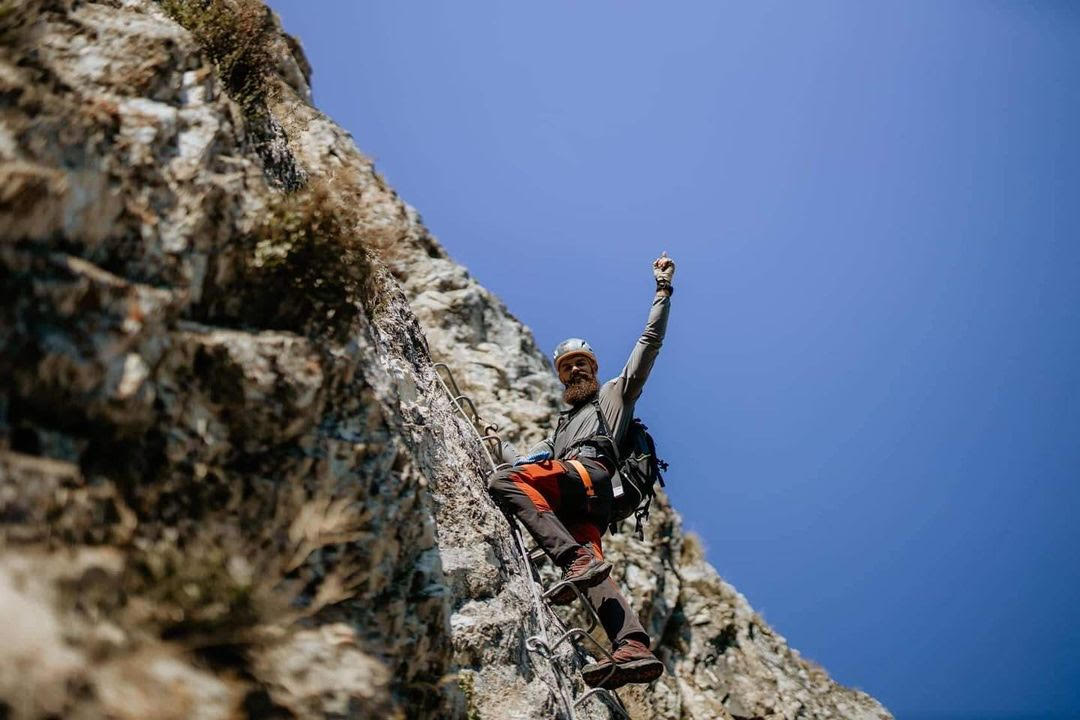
(540, 643)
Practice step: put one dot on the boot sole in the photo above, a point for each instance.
(644, 670)
(593, 576)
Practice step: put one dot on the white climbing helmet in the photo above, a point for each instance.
(571, 347)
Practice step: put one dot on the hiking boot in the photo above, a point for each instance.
(584, 571)
(634, 663)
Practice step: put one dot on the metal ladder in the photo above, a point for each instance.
(539, 644)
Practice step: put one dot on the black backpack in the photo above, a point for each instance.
(635, 483)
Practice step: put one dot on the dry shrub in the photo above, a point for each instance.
(693, 549)
(306, 268)
(376, 208)
(237, 35)
(240, 38)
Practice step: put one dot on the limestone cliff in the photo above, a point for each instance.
(231, 485)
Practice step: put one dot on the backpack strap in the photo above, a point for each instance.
(641, 516)
(555, 436)
(585, 479)
(604, 428)
(617, 489)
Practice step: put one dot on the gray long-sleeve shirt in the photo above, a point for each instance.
(617, 396)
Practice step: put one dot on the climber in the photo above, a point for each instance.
(561, 491)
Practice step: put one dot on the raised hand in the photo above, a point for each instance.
(663, 269)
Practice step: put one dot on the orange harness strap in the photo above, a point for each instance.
(589, 492)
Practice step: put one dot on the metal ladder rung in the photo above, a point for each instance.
(537, 557)
(612, 698)
(576, 632)
(536, 644)
(594, 619)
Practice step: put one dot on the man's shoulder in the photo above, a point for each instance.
(611, 389)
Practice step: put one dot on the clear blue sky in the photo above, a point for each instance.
(870, 392)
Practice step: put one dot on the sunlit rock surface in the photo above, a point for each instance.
(231, 485)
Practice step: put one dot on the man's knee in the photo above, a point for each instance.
(499, 483)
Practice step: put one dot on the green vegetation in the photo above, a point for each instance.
(466, 683)
(305, 267)
(237, 38)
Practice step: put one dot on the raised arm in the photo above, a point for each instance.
(636, 372)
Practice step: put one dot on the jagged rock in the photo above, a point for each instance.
(231, 482)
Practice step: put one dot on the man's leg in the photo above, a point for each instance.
(533, 493)
(634, 661)
(618, 618)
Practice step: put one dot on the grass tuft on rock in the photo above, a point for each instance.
(306, 266)
(240, 37)
(467, 685)
(237, 36)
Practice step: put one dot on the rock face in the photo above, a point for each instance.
(231, 483)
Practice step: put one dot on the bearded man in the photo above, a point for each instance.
(562, 490)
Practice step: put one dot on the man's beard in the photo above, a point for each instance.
(579, 391)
